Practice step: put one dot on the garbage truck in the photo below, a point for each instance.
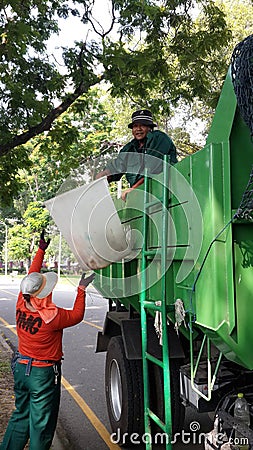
(175, 263)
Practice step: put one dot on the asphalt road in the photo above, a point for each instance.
(83, 414)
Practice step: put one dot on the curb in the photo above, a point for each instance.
(6, 344)
(60, 441)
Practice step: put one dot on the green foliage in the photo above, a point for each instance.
(164, 49)
(11, 182)
(29, 81)
(53, 158)
(36, 217)
(183, 142)
(19, 242)
(23, 236)
(56, 246)
(153, 54)
(175, 58)
(239, 19)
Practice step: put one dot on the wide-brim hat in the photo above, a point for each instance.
(39, 285)
(143, 116)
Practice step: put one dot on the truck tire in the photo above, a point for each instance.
(157, 394)
(124, 393)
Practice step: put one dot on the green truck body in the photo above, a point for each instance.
(205, 192)
(209, 258)
(179, 326)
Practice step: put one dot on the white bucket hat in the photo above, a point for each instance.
(38, 285)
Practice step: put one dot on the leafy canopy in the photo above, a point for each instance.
(147, 45)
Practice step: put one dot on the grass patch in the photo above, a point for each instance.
(5, 367)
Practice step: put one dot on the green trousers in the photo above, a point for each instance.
(37, 400)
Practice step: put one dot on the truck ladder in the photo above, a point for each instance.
(148, 305)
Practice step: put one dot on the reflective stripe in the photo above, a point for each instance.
(142, 117)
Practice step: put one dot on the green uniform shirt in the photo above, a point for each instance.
(132, 160)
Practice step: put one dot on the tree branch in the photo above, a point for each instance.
(90, 19)
(45, 124)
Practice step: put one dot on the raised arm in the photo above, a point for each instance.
(38, 259)
(69, 317)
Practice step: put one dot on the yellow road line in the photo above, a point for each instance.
(91, 416)
(8, 325)
(102, 431)
(92, 324)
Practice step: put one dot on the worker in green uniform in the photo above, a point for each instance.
(145, 150)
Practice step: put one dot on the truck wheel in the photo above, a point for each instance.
(157, 395)
(124, 393)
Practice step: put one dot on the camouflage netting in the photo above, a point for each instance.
(245, 210)
(242, 78)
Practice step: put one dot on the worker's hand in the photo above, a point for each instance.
(42, 243)
(124, 193)
(86, 281)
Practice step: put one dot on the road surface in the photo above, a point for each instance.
(83, 414)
